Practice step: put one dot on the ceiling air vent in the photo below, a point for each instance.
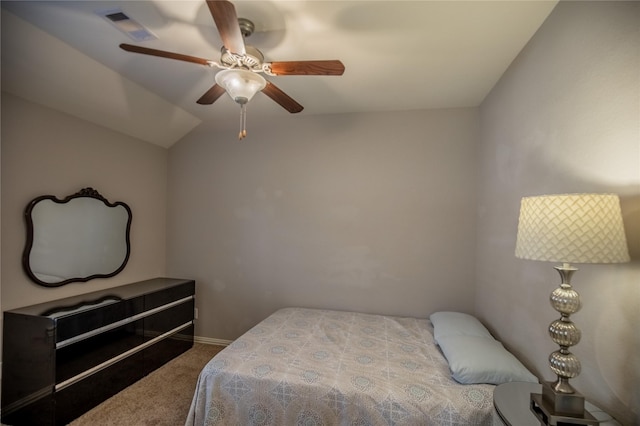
(127, 25)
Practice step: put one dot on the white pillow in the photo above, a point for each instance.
(476, 359)
(457, 324)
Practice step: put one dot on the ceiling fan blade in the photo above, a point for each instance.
(330, 67)
(163, 54)
(224, 15)
(211, 95)
(285, 101)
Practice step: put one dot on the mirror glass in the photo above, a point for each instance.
(75, 239)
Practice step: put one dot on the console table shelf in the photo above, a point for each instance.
(64, 357)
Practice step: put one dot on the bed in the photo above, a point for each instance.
(321, 367)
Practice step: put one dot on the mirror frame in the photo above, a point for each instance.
(83, 193)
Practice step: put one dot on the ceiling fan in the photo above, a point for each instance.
(242, 64)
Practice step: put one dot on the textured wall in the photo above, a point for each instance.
(565, 118)
(365, 212)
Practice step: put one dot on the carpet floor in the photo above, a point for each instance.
(160, 399)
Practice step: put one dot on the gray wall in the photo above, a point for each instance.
(563, 119)
(48, 152)
(366, 212)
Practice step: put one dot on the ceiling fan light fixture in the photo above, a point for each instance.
(240, 84)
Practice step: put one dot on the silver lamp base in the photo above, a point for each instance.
(556, 408)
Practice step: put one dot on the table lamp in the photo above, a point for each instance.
(568, 228)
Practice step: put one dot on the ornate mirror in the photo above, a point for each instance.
(79, 238)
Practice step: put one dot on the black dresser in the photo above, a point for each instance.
(62, 358)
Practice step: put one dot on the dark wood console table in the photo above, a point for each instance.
(62, 358)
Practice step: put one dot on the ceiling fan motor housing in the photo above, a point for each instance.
(252, 60)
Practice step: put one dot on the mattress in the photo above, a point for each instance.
(320, 367)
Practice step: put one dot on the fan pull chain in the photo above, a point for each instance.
(243, 122)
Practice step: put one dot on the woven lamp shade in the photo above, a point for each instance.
(572, 228)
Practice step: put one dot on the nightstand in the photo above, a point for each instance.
(511, 406)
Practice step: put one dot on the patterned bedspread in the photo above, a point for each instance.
(318, 367)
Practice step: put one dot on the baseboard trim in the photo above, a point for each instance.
(212, 341)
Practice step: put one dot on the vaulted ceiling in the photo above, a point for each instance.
(398, 55)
